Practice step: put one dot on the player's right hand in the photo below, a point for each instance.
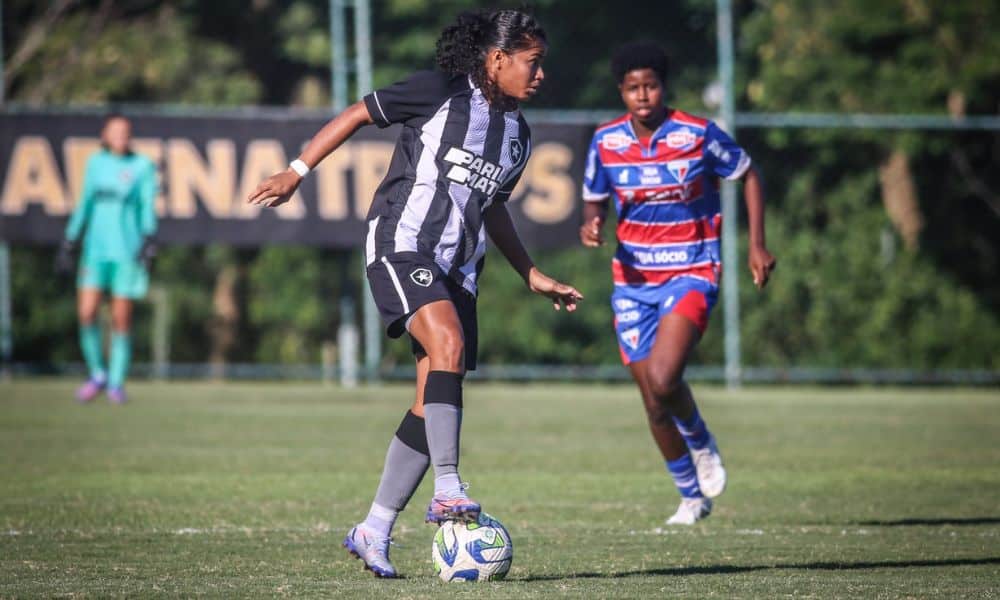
(276, 189)
(558, 292)
(65, 257)
(590, 233)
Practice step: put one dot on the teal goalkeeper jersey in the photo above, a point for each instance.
(116, 207)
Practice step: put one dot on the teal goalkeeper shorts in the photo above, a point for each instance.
(123, 279)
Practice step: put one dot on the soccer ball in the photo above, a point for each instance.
(479, 551)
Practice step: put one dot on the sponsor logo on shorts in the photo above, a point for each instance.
(668, 302)
(422, 277)
(624, 304)
(629, 316)
(630, 337)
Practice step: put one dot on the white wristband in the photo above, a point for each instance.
(299, 167)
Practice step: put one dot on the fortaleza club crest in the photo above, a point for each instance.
(631, 337)
(422, 277)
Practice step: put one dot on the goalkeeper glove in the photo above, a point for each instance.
(66, 257)
(147, 253)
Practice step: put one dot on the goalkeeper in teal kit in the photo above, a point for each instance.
(112, 226)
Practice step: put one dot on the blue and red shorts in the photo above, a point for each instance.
(639, 308)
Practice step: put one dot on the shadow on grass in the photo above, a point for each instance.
(942, 521)
(813, 566)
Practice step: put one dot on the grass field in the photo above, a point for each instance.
(248, 489)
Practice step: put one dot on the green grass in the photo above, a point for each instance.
(248, 489)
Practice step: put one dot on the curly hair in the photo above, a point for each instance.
(639, 55)
(462, 47)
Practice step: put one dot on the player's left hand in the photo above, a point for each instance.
(762, 264)
(276, 189)
(590, 233)
(560, 293)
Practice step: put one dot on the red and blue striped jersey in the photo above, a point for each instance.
(666, 192)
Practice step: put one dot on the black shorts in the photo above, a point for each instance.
(403, 282)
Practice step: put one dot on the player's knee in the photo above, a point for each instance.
(664, 382)
(657, 411)
(87, 317)
(448, 349)
(120, 323)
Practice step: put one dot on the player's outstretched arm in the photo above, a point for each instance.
(278, 188)
(761, 261)
(501, 231)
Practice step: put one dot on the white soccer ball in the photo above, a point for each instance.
(479, 551)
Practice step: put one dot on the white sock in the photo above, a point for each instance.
(447, 483)
(381, 519)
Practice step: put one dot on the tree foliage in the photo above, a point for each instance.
(851, 288)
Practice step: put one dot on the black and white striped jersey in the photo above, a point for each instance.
(454, 157)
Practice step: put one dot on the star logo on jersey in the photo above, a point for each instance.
(679, 169)
(422, 277)
(516, 150)
(631, 337)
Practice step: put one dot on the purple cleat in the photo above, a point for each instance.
(116, 395)
(455, 506)
(90, 390)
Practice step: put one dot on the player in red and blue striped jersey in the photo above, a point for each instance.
(662, 166)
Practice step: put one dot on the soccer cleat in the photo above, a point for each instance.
(711, 473)
(90, 390)
(454, 506)
(116, 395)
(372, 549)
(690, 511)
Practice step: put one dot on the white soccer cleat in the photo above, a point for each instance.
(711, 473)
(372, 549)
(691, 511)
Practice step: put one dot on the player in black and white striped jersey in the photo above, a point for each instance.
(461, 150)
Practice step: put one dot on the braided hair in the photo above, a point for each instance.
(463, 45)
